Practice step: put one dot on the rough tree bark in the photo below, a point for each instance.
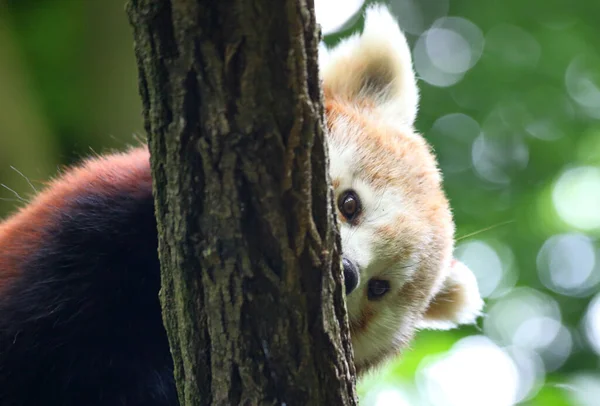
(252, 295)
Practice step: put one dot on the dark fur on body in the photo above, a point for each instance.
(80, 321)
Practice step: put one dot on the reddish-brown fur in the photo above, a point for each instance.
(21, 234)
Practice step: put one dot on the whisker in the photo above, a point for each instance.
(14, 192)
(352, 232)
(380, 199)
(10, 199)
(142, 139)
(24, 177)
(485, 229)
(94, 153)
(373, 220)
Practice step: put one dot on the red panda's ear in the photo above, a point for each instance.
(457, 302)
(374, 69)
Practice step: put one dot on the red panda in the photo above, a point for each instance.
(399, 233)
(80, 320)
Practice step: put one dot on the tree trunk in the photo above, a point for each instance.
(252, 293)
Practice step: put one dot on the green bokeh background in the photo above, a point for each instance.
(68, 86)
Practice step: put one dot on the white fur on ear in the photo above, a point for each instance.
(375, 66)
(458, 301)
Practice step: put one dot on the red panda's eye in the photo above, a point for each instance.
(349, 205)
(377, 289)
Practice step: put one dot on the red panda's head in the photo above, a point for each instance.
(395, 221)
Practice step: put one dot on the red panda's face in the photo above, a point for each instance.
(395, 225)
(395, 221)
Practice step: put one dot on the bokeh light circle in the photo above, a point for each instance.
(445, 52)
(474, 372)
(335, 15)
(567, 264)
(488, 265)
(576, 197)
(592, 324)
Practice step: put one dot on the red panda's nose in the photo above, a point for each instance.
(350, 275)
